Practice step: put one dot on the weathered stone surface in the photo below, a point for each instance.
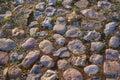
(112, 54)
(62, 64)
(4, 58)
(49, 11)
(92, 36)
(7, 44)
(91, 69)
(36, 69)
(97, 46)
(67, 3)
(30, 58)
(76, 46)
(72, 74)
(46, 46)
(96, 59)
(14, 72)
(111, 68)
(29, 44)
(40, 6)
(73, 33)
(114, 42)
(47, 23)
(47, 61)
(62, 52)
(49, 75)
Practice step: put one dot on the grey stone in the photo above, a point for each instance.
(73, 33)
(33, 31)
(105, 5)
(37, 15)
(79, 61)
(114, 42)
(92, 36)
(29, 44)
(110, 27)
(62, 64)
(41, 34)
(72, 74)
(19, 1)
(51, 2)
(14, 57)
(2, 34)
(62, 52)
(96, 59)
(47, 61)
(111, 68)
(33, 24)
(61, 20)
(33, 77)
(30, 58)
(112, 54)
(81, 4)
(14, 72)
(91, 25)
(47, 23)
(67, 3)
(46, 46)
(4, 58)
(59, 39)
(40, 6)
(60, 28)
(49, 11)
(91, 69)
(8, 25)
(16, 32)
(49, 75)
(61, 12)
(89, 13)
(7, 44)
(97, 46)
(36, 69)
(76, 46)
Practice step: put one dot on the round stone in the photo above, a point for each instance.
(72, 74)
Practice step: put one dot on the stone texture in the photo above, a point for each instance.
(114, 42)
(46, 47)
(72, 74)
(76, 46)
(47, 61)
(4, 58)
(30, 58)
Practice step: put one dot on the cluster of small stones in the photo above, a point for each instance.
(60, 40)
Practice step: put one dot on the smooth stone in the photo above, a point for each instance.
(47, 61)
(62, 52)
(72, 74)
(30, 58)
(73, 33)
(114, 42)
(16, 32)
(51, 2)
(60, 28)
(111, 54)
(76, 46)
(7, 44)
(33, 24)
(92, 36)
(97, 46)
(29, 44)
(111, 68)
(33, 31)
(4, 58)
(14, 72)
(96, 59)
(41, 34)
(110, 27)
(49, 75)
(91, 69)
(46, 47)
(61, 20)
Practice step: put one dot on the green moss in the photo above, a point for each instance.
(59, 1)
(7, 19)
